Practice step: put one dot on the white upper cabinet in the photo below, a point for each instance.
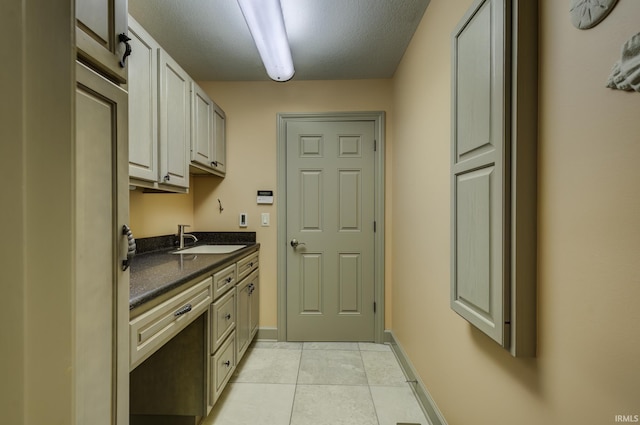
(159, 116)
(202, 133)
(220, 141)
(175, 122)
(143, 105)
(174, 127)
(101, 32)
(208, 148)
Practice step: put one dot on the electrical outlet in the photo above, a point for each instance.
(243, 220)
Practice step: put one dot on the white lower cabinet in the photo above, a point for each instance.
(223, 363)
(234, 320)
(247, 315)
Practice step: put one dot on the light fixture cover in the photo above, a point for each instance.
(266, 23)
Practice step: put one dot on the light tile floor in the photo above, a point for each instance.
(316, 383)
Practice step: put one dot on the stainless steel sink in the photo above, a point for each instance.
(210, 249)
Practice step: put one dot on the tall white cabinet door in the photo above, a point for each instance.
(99, 24)
(202, 132)
(479, 289)
(175, 122)
(220, 141)
(101, 363)
(143, 104)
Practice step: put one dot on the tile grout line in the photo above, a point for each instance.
(364, 368)
(295, 389)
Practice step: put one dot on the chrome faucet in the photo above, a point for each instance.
(182, 235)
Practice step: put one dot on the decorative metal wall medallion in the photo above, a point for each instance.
(587, 14)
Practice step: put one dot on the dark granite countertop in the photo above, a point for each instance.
(158, 271)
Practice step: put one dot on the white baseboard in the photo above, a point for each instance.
(267, 334)
(429, 407)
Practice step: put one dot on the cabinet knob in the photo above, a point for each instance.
(227, 363)
(228, 316)
(167, 178)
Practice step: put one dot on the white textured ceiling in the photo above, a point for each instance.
(330, 39)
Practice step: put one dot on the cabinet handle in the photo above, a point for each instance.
(127, 48)
(228, 316)
(187, 308)
(131, 250)
(167, 178)
(214, 163)
(229, 279)
(251, 265)
(227, 363)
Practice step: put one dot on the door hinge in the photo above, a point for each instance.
(375, 145)
(374, 227)
(374, 306)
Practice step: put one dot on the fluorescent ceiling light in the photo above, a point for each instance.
(266, 23)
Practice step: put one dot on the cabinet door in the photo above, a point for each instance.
(102, 287)
(255, 306)
(243, 311)
(143, 101)
(220, 140)
(175, 122)
(202, 132)
(98, 26)
(479, 287)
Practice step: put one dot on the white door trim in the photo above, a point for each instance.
(378, 117)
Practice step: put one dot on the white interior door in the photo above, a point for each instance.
(330, 230)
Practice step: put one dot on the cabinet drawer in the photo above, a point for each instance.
(224, 280)
(247, 265)
(223, 319)
(149, 331)
(223, 363)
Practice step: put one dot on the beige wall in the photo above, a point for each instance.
(251, 109)
(156, 214)
(587, 368)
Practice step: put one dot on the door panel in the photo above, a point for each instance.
(330, 211)
(479, 168)
(102, 287)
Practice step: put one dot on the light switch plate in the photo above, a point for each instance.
(264, 219)
(243, 220)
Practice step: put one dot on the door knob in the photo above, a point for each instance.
(295, 243)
